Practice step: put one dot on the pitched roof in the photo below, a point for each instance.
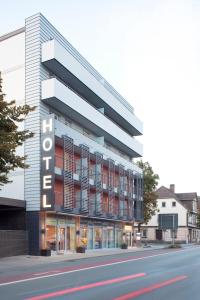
(186, 196)
(185, 199)
(164, 193)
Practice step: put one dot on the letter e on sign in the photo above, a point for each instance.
(47, 182)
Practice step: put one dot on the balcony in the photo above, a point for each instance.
(87, 82)
(60, 97)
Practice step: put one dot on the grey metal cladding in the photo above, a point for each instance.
(32, 97)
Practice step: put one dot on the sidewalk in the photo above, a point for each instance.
(25, 260)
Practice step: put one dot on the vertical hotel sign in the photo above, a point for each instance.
(47, 162)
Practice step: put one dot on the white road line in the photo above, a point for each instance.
(43, 273)
(93, 267)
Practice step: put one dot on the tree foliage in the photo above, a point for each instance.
(198, 218)
(150, 186)
(10, 135)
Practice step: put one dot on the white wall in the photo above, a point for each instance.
(169, 209)
(12, 68)
(54, 88)
(53, 50)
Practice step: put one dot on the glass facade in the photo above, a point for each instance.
(97, 236)
(61, 234)
(51, 237)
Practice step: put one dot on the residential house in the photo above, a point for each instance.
(177, 217)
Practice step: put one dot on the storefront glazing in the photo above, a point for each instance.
(60, 233)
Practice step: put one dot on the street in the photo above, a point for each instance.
(153, 274)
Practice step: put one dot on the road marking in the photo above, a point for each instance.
(89, 268)
(86, 287)
(43, 273)
(150, 288)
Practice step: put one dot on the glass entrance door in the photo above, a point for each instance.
(118, 238)
(110, 237)
(128, 238)
(70, 238)
(61, 239)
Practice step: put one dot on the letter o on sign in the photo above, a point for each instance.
(47, 144)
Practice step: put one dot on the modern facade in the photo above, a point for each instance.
(177, 217)
(82, 186)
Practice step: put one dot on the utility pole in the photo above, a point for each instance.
(173, 231)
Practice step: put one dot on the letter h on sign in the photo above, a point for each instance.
(47, 162)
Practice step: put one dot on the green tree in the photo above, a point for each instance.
(10, 135)
(149, 194)
(198, 218)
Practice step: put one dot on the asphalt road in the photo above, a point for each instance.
(153, 275)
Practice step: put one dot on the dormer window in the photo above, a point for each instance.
(163, 204)
(173, 204)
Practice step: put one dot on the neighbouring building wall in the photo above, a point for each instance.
(169, 209)
(12, 68)
(13, 242)
(181, 234)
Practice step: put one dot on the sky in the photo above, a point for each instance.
(149, 50)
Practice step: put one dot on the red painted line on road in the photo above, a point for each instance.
(150, 288)
(86, 287)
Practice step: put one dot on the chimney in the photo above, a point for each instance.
(172, 188)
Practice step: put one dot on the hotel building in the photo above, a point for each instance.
(82, 186)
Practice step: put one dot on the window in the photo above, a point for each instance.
(173, 203)
(144, 233)
(163, 204)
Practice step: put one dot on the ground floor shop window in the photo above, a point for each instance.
(97, 238)
(60, 233)
(118, 238)
(90, 237)
(84, 236)
(51, 237)
(111, 243)
(105, 238)
(70, 232)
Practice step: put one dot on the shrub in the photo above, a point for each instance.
(80, 249)
(124, 246)
(174, 246)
